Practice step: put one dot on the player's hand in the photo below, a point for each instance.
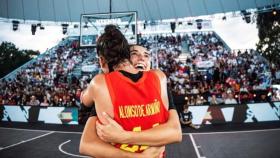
(110, 131)
(153, 152)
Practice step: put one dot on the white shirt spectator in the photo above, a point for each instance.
(181, 80)
(194, 91)
(230, 101)
(277, 74)
(33, 101)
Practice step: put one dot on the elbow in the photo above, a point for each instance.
(86, 148)
(179, 135)
(175, 135)
(82, 148)
(175, 125)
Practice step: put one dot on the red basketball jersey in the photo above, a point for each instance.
(137, 105)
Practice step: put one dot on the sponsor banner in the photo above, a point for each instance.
(220, 114)
(16, 113)
(276, 109)
(246, 113)
(198, 112)
(54, 115)
(205, 64)
(89, 68)
(261, 112)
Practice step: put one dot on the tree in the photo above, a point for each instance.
(268, 24)
(12, 58)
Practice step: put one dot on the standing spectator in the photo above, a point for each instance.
(216, 76)
(23, 100)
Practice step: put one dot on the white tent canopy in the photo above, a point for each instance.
(71, 10)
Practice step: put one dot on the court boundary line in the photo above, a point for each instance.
(66, 153)
(195, 147)
(25, 141)
(198, 133)
(234, 132)
(35, 130)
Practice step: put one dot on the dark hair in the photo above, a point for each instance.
(144, 46)
(133, 45)
(113, 46)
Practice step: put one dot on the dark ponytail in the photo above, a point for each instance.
(113, 46)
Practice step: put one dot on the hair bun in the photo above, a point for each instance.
(113, 46)
(110, 29)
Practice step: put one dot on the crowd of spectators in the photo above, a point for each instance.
(212, 74)
(49, 80)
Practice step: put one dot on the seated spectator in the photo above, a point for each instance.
(263, 98)
(55, 101)
(1, 100)
(244, 97)
(200, 100)
(230, 99)
(213, 100)
(186, 117)
(1, 111)
(33, 101)
(45, 102)
(276, 96)
(277, 74)
(194, 90)
(191, 100)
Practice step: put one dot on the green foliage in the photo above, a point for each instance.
(269, 34)
(12, 58)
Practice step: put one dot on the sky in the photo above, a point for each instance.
(237, 33)
(23, 39)
(234, 31)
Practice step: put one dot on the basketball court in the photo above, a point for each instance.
(16, 142)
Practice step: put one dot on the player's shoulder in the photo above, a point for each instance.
(159, 73)
(98, 77)
(97, 80)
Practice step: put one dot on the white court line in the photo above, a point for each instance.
(195, 147)
(61, 150)
(28, 140)
(226, 132)
(229, 132)
(35, 130)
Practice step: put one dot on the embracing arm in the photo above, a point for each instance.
(91, 145)
(166, 133)
(169, 132)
